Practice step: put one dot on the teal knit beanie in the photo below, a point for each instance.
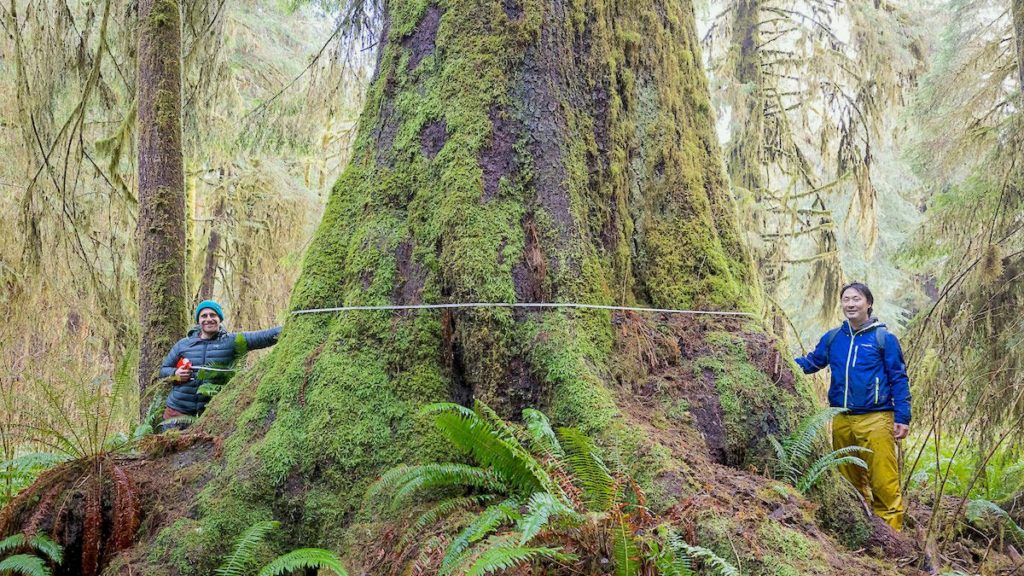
(212, 306)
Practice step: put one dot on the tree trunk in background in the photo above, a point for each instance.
(1018, 33)
(509, 151)
(210, 265)
(745, 160)
(161, 228)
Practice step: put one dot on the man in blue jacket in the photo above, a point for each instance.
(206, 356)
(869, 379)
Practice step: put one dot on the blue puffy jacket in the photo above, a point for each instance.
(218, 354)
(864, 379)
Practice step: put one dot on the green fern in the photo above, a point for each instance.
(243, 556)
(978, 509)
(625, 551)
(833, 459)
(541, 509)
(588, 468)
(666, 561)
(19, 473)
(443, 509)
(304, 558)
(542, 436)
(489, 446)
(498, 558)
(418, 479)
(800, 444)
(711, 560)
(483, 525)
(24, 564)
(792, 454)
(38, 542)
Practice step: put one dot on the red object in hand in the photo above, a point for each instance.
(184, 363)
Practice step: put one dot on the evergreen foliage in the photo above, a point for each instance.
(569, 490)
(44, 552)
(793, 454)
(243, 558)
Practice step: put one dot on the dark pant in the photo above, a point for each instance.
(172, 413)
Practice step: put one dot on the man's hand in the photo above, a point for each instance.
(900, 431)
(183, 374)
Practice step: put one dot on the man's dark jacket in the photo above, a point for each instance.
(218, 354)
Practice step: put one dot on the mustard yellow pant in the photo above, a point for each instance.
(880, 483)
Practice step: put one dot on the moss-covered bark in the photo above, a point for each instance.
(531, 150)
(161, 229)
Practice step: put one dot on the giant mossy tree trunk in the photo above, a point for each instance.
(509, 151)
(161, 227)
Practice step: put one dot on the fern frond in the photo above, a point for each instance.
(388, 481)
(800, 445)
(304, 558)
(209, 389)
(587, 467)
(498, 558)
(541, 508)
(35, 461)
(500, 427)
(486, 522)
(826, 462)
(783, 471)
(710, 559)
(478, 437)
(542, 436)
(12, 542)
(668, 563)
(432, 476)
(45, 545)
(238, 562)
(25, 564)
(976, 509)
(441, 510)
(625, 551)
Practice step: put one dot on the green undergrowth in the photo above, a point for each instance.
(752, 405)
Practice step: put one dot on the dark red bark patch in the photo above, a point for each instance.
(523, 389)
(496, 160)
(411, 276)
(529, 274)
(452, 353)
(433, 137)
(422, 41)
(766, 356)
(706, 409)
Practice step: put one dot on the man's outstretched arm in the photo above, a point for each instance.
(261, 338)
(817, 359)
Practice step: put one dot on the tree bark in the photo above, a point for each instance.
(746, 143)
(210, 264)
(161, 228)
(509, 151)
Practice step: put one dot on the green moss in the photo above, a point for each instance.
(752, 405)
(334, 403)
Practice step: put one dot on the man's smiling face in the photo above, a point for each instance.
(855, 306)
(209, 322)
